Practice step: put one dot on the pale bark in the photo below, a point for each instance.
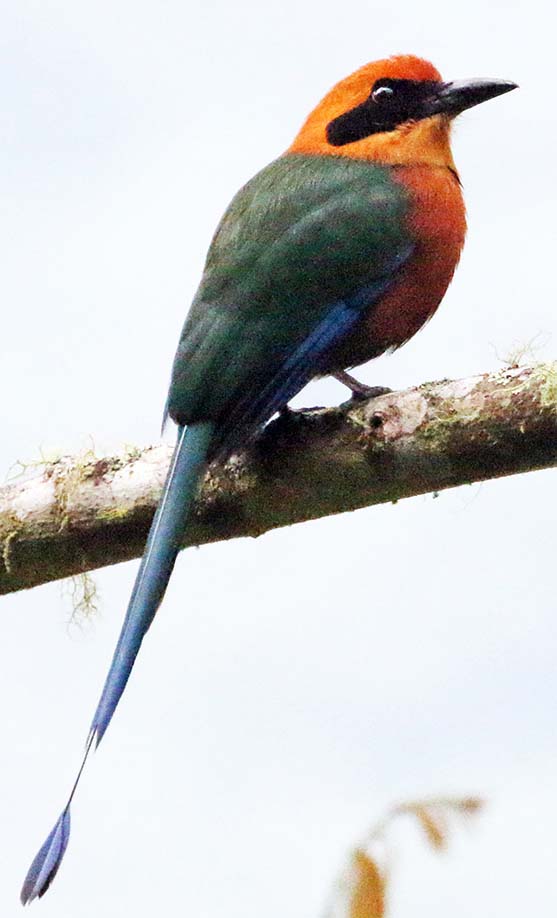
(80, 513)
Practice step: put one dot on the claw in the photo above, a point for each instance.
(359, 390)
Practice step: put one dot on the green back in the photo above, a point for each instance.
(303, 234)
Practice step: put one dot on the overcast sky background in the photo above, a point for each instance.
(292, 687)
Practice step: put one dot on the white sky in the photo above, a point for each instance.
(292, 687)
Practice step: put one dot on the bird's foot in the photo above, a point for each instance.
(359, 390)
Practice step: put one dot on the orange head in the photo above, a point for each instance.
(395, 111)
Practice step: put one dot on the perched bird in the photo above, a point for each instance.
(339, 250)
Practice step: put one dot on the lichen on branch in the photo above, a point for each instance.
(75, 514)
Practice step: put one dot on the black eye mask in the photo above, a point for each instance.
(394, 102)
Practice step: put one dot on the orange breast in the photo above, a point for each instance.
(437, 223)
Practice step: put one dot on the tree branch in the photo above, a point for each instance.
(76, 514)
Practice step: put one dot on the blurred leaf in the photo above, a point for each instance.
(433, 824)
(367, 896)
(469, 805)
(432, 815)
(362, 891)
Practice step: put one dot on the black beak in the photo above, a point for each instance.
(395, 102)
(453, 98)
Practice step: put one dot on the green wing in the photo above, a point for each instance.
(304, 234)
(300, 252)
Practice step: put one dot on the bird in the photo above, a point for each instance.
(338, 251)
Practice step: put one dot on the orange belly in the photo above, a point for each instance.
(437, 223)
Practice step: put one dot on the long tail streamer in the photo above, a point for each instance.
(163, 544)
(195, 444)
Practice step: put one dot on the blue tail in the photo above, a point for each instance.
(167, 530)
(163, 544)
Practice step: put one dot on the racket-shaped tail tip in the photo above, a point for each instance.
(46, 863)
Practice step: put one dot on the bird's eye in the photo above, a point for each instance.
(382, 94)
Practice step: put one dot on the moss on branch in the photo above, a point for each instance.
(75, 514)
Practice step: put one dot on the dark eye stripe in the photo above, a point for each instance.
(389, 104)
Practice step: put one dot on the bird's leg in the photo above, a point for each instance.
(359, 390)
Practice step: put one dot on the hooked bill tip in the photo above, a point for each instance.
(503, 86)
(458, 95)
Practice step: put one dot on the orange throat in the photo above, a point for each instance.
(424, 142)
(420, 157)
(437, 223)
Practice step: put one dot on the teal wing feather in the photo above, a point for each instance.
(304, 234)
(303, 249)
